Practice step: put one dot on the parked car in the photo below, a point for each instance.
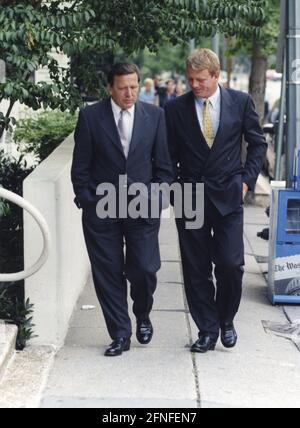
(273, 75)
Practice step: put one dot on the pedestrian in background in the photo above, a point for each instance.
(168, 95)
(179, 88)
(147, 94)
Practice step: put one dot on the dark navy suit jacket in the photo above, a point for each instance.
(220, 168)
(99, 158)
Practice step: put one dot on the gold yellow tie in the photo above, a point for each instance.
(208, 130)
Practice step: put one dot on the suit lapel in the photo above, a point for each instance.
(194, 127)
(107, 122)
(139, 126)
(225, 110)
(109, 125)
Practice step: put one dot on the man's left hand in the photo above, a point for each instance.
(245, 190)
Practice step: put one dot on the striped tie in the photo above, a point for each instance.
(208, 130)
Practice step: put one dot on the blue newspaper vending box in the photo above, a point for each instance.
(284, 247)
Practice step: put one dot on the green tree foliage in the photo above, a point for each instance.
(167, 58)
(268, 34)
(31, 30)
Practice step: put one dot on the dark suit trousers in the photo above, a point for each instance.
(219, 241)
(111, 268)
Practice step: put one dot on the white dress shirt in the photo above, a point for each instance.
(214, 108)
(128, 123)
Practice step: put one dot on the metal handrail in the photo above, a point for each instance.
(21, 202)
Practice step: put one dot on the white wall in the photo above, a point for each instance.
(55, 289)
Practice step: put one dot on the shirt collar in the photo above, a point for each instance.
(214, 99)
(117, 109)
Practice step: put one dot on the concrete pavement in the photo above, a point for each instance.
(262, 371)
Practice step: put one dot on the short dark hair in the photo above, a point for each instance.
(122, 69)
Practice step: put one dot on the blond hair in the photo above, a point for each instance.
(204, 59)
(149, 80)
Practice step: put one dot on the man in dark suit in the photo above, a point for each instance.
(205, 131)
(121, 137)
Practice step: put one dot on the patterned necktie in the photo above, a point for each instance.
(123, 132)
(208, 130)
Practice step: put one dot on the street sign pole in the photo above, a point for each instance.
(293, 85)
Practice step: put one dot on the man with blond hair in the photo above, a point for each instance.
(205, 131)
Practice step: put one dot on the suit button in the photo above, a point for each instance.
(228, 158)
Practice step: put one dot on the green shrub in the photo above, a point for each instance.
(16, 312)
(37, 136)
(4, 208)
(41, 135)
(12, 174)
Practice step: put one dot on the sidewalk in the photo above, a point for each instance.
(262, 371)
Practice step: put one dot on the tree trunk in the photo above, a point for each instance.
(229, 61)
(257, 84)
(7, 115)
(229, 68)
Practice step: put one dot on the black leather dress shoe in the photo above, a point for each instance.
(144, 331)
(117, 347)
(203, 344)
(228, 335)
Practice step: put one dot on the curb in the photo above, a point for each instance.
(8, 335)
